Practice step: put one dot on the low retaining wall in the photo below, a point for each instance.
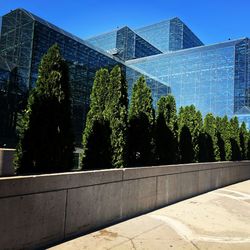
(6, 161)
(40, 210)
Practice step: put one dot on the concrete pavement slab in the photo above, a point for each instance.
(216, 220)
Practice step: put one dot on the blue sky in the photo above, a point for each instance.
(211, 20)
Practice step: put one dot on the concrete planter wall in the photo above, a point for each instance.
(6, 161)
(40, 210)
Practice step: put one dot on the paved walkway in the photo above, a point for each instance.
(216, 220)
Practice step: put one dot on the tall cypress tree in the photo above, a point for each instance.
(141, 121)
(166, 130)
(96, 137)
(223, 135)
(206, 150)
(192, 119)
(46, 141)
(248, 146)
(235, 138)
(209, 127)
(116, 112)
(187, 153)
(243, 140)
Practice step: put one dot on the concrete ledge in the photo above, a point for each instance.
(44, 209)
(21, 185)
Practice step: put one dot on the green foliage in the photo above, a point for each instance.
(46, 141)
(96, 137)
(141, 100)
(167, 107)
(209, 128)
(192, 119)
(243, 134)
(223, 136)
(166, 131)
(105, 134)
(248, 146)
(141, 121)
(116, 112)
(109, 126)
(235, 139)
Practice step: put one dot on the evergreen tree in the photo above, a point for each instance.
(166, 131)
(191, 118)
(206, 147)
(210, 129)
(223, 135)
(186, 145)
(46, 141)
(141, 121)
(243, 140)
(116, 112)
(235, 139)
(96, 137)
(248, 146)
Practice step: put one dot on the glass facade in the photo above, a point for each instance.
(106, 41)
(169, 35)
(26, 37)
(11, 102)
(16, 44)
(214, 78)
(158, 88)
(125, 44)
(242, 77)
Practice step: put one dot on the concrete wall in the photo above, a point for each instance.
(40, 210)
(6, 161)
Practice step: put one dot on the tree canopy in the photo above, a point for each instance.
(46, 140)
(141, 122)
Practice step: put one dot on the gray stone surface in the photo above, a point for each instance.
(19, 185)
(138, 196)
(204, 180)
(6, 161)
(90, 207)
(32, 220)
(162, 191)
(174, 188)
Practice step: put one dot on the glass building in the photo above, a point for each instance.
(25, 38)
(169, 35)
(215, 78)
(124, 43)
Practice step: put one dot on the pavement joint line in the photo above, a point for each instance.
(236, 192)
(233, 197)
(187, 234)
(194, 245)
(131, 239)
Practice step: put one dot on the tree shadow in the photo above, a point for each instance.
(221, 145)
(206, 148)
(165, 142)
(186, 146)
(243, 146)
(140, 141)
(236, 154)
(99, 152)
